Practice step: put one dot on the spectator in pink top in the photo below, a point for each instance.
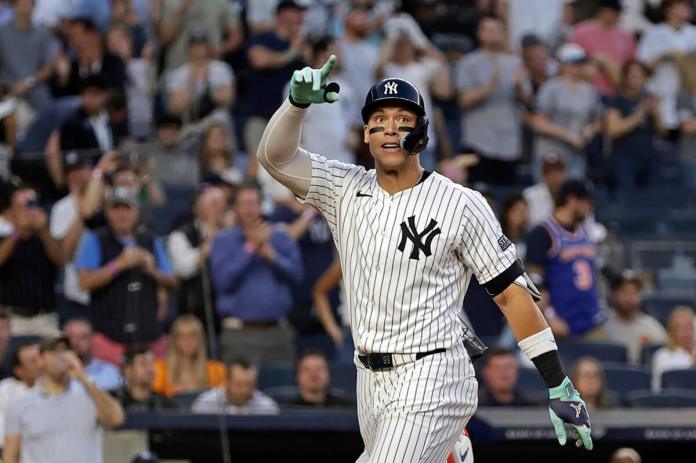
(608, 44)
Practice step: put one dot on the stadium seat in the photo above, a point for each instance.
(679, 379)
(572, 350)
(622, 378)
(184, 400)
(661, 306)
(344, 377)
(676, 398)
(285, 394)
(530, 382)
(281, 394)
(646, 353)
(276, 374)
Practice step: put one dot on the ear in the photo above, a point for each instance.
(366, 134)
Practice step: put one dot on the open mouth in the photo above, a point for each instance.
(391, 147)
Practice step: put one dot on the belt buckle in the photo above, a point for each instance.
(380, 361)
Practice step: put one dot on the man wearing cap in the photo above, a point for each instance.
(560, 252)
(60, 420)
(567, 114)
(69, 217)
(540, 197)
(202, 85)
(607, 43)
(121, 266)
(626, 324)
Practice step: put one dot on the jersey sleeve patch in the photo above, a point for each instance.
(504, 242)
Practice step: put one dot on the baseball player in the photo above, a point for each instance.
(409, 241)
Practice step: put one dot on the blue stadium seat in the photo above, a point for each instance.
(675, 398)
(184, 400)
(281, 393)
(285, 394)
(646, 353)
(679, 379)
(622, 378)
(276, 374)
(572, 350)
(344, 377)
(661, 306)
(530, 382)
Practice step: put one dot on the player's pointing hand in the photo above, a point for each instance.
(309, 85)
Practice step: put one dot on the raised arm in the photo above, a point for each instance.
(279, 150)
(109, 411)
(320, 294)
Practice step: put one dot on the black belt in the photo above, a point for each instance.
(385, 361)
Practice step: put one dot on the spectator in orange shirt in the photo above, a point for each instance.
(186, 366)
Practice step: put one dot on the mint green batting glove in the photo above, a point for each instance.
(309, 85)
(567, 407)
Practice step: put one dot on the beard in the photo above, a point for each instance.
(578, 218)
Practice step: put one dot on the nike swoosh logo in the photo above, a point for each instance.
(463, 455)
(363, 195)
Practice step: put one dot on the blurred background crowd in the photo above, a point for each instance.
(135, 219)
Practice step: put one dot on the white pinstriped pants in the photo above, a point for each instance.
(417, 411)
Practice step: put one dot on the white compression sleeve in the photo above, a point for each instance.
(279, 152)
(538, 343)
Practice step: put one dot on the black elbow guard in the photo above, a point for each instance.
(513, 274)
(498, 284)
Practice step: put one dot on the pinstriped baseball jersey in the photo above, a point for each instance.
(407, 258)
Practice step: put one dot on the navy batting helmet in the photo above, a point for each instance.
(400, 92)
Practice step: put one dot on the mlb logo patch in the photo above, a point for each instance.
(504, 242)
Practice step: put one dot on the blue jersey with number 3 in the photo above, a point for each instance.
(570, 277)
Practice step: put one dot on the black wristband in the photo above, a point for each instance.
(296, 104)
(549, 365)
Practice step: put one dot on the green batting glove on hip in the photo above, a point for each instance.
(567, 407)
(309, 85)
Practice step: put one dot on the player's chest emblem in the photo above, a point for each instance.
(421, 241)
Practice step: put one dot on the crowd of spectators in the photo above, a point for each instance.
(134, 218)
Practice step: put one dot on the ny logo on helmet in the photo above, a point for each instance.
(411, 233)
(390, 88)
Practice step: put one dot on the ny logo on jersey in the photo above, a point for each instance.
(410, 232)
(390, 88)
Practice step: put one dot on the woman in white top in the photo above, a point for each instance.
(680, 351)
